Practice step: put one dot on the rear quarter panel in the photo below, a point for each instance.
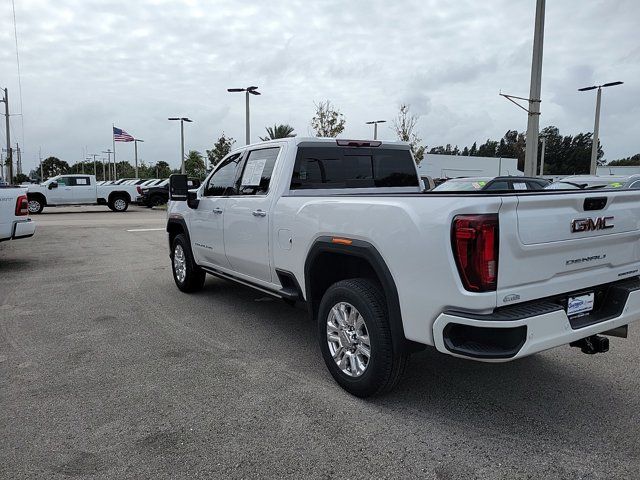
(412, 233)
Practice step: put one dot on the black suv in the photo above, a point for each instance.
(159, 194)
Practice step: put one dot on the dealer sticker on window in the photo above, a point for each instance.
(580, 304)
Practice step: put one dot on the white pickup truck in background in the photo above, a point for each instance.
(79, 190)
(14, 214)
(383, 268)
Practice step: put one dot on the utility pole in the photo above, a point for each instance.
(40, 157)
(533, 125)
(94, 155)
(8, 133)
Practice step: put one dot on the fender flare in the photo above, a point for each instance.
(176, 220)
(366, 251)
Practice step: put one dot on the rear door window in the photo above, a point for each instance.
(499, 185)
(257, 171)
(336, 167)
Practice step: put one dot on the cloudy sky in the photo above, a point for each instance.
(86, 64)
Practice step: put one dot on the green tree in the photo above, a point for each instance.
(278, 131)
(328, 121)
(404, 125)
(194, 164)
(220, 149)
(52, 166)
(160, 170)
(626, 162)
(20, 178)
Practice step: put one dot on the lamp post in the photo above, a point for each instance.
(375, 127)
(182, 120)
(596, 126)
(135, 149)
(543, 139)
(252, 91)
(109, 152)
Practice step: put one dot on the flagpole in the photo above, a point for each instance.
(113, 139)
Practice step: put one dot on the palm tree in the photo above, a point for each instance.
(278, 131)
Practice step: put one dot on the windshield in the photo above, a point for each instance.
(461, 185)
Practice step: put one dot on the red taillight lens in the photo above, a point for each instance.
(139, 190)
(22, 206)
(475, 248)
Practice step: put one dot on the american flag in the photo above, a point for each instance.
(120, 135)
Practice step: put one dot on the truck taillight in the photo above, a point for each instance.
(475, 248)
(139, 190)
(22, 206)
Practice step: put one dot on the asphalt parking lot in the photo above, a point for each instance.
(107, 370)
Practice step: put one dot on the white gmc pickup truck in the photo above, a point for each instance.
(384, 269)
(14, 214)
(79, 190)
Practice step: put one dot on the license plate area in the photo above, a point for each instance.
(578, 305)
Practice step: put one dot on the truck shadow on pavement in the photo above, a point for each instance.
(553, 397)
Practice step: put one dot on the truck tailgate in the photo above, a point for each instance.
(559, 243)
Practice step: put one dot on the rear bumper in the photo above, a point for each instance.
(530, 328)
(23, 229)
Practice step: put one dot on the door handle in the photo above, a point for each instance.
(217, 210)
(259, 213)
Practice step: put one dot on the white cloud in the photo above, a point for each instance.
(89, 63)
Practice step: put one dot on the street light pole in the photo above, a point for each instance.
(108, 152)
(375, 127)
(543, 139)
(249, 90)
(182, 120)
(533, 124)
(596, 125)
(135, 149)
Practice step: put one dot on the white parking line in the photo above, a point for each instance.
(145, 230)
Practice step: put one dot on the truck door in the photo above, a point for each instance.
(62, 194)
(247, 216)
(83, 191)
(206, 222)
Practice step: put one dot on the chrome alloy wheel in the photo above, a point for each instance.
(348, 339)
(179, 263)
(34, 206)
(119, 204)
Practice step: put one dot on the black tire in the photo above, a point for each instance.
(386, 365)
(194, 276)
(36, 205)
(157, 200)
(118, 204)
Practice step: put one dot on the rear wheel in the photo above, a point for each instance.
(118, 204)
(187, 275)
(36, 205)
(355, 338)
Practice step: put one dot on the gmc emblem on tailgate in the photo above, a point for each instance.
(590, 224)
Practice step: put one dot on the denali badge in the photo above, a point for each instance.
(590, 224)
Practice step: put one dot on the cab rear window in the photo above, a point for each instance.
(336, 167)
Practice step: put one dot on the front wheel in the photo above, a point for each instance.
(355, 338)
(188, 276)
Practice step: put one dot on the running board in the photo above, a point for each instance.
(226, 276)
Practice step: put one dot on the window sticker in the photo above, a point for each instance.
(519, 186)
(253, 172)
(615, 185)
(81, 181)
(478, 185)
